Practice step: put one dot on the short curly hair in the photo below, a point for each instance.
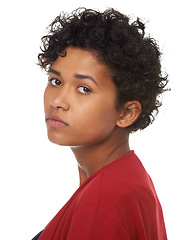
(133, 59)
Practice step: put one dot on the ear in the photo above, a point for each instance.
(129, 114)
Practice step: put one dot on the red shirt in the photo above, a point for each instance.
(116, 202)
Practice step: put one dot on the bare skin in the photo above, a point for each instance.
(80, 111)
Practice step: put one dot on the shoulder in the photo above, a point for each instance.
(127, 193)
(122, 182)
(126, 176)
(124, 193)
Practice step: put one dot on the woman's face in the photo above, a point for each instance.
(79, 100)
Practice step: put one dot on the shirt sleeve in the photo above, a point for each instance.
(96, 223)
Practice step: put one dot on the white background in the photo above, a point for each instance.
(37, 177)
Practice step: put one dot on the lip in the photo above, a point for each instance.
(55, 121)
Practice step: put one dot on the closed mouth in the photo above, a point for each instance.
(55, 120)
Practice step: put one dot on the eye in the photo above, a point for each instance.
(55, 82)
(84, 90)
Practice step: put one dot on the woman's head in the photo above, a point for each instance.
(132, 58)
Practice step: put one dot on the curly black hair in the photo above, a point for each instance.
(134, 60)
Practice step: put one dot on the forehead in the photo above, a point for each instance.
(77, 59)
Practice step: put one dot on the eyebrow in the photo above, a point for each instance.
(77, 76)
(54, 71)
(82, 76)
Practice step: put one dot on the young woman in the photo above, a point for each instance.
(104, 81)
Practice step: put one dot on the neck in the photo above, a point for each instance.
(93, 157)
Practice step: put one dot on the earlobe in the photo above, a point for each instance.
(129, 114)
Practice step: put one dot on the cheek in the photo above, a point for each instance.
(46, 98)
(97, 121)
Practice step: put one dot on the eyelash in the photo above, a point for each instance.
(86, 89)
(54, 79)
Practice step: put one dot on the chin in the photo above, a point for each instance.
(60, 140)
(57, 141)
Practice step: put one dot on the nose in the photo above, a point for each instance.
(60, 100)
